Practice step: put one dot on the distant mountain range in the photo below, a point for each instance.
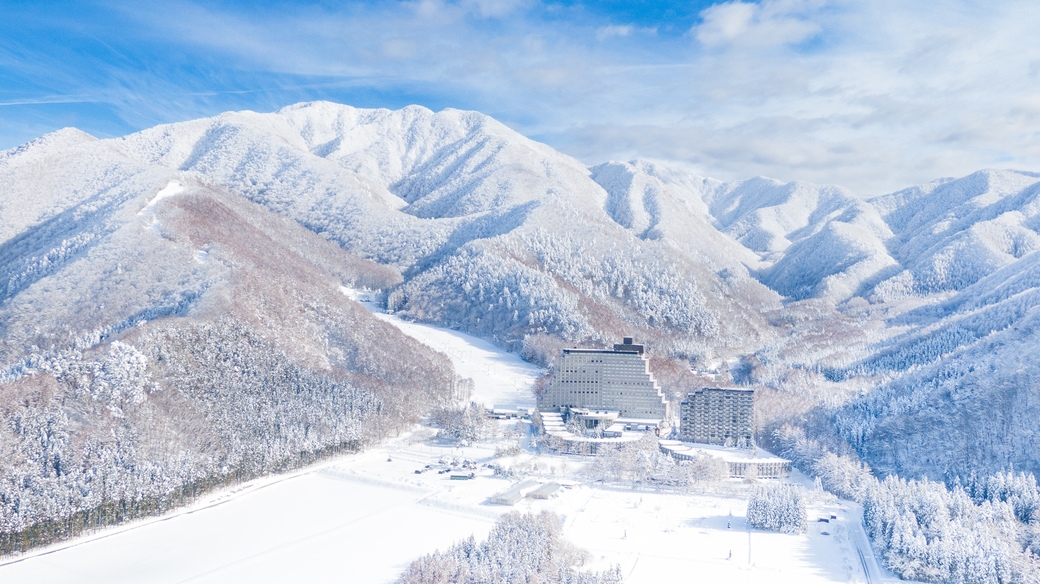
(907, 320)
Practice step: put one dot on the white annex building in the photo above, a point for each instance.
(616, 380)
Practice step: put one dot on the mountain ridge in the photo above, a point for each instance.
(811, 290)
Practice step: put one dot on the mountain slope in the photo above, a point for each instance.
(465, 207)
(240, 231)
(185, 338)
(928, 294)
(949, 234)
(965, 398)
(507, 239)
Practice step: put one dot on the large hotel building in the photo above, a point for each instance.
(604, 379)
(718, 415)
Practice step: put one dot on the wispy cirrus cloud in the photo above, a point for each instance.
(874, 96)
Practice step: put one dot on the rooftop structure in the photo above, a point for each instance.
(740, 462)
(617, 379)
(514, 494)
(590, 419)
(544, 492)
(718, 415)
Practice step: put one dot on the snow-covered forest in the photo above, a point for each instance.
(778, 508)
(520, 548)
(101, 436)
(194, 340)
(897, 331)
(984, 530)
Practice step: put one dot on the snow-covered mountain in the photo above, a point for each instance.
(949, 234)
(966, 390)
(495, 234)
(159, 335)
(942, 279)
(909, 314)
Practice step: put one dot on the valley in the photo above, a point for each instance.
(202, 304)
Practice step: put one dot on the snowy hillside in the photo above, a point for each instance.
(161, 336)
(169, 273)
(467, 209)
(930, 293)
(950, 234)
(967, 397)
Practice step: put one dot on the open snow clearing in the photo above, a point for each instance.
(363, 518)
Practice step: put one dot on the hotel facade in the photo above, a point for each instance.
(617, 379)
(718, 415)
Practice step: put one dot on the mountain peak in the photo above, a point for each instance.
(63, 138)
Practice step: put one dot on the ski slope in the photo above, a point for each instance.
(500, 379)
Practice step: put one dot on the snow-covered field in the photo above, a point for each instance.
(324, 525)
(364, 517)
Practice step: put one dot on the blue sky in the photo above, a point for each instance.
(871, 95)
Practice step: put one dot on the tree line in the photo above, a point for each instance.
(986, 530)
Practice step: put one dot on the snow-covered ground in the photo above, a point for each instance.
(364, 517)
(325, 525)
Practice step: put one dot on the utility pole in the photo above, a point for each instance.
(748, 525)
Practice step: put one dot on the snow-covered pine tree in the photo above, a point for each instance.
(778, 508)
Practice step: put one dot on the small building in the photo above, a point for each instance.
(514, 494)
(545, 491)
(597, 430)
(593, 419)
(508, 413)
(718, 415)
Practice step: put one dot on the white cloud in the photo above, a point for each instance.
(400, 49)
(725, 22)
(606, 32)
(765, 24)
(495, 8)
(872, 95)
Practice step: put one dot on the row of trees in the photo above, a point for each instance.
(928, 532)
(778, 508)
(633, 276)
(539, 283)
(479, 291)
(458, 424)
(984, 532)
(520, 548)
